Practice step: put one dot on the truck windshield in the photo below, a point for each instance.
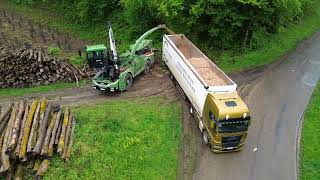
(233, 126)
(89, 55)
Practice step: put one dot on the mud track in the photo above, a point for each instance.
(153, 84)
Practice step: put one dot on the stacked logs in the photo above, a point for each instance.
(30, 133)
(26, 67)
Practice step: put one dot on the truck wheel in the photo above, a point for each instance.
(205, 137)
(128, 81)
(191, 109)
(147, 68)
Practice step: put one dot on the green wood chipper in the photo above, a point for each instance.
(116, 72)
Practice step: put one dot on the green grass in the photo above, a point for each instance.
(276, 46)
(124, 139)
(11, 92)
(54, 50)
(310, 146)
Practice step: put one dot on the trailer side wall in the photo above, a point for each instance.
(188, 81)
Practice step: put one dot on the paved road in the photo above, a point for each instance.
(277, 102)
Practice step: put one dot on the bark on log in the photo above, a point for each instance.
(56, 141)
(36, 165)
(12, 119)
(70, 144)
(5, 122)
(4, 156)
(63, 131)
(54, 132)
(66, 139)
(43, 168)
(29, 67)
(26, 112)
(1, 143)
(42, 112)
(26, 131)
(16, 127)
(5, 112)
(45, 146)
(34, 130)
(42, 130)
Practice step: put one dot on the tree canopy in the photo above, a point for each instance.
(216, 23)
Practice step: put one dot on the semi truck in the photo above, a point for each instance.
(222, 116)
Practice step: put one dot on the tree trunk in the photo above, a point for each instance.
(16, 127)
(63, 131)
(45, 146)
(36, 165)
(5, 112)
(42, 112)
(66, 139)
(26, 112)
(4, 156)
(26, 131)
(34, 130)
(56, 140)
(5, 122)
(43, 168)
(42, 130)
(54, 132)
(70, 144)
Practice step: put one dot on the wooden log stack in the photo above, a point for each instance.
(30, 134)
(26, 67)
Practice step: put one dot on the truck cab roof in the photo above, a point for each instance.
(95, 48)
(230, 105)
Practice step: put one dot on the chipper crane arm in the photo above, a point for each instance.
(113, 46)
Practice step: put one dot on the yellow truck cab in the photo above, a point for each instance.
(225, 122)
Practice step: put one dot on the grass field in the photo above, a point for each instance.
(11, 92)
(310, 146)
(128, 139)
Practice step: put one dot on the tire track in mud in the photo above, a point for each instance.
(151, 85)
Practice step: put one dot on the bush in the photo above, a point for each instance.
(54, 51)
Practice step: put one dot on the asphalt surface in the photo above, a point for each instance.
(277, 102)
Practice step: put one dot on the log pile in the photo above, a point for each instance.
(30, 134)
(26, 67)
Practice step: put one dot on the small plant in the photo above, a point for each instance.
(77, 60)
(54, 50)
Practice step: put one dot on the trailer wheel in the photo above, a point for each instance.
(205, 137)
(147, 69)
(128, 81)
